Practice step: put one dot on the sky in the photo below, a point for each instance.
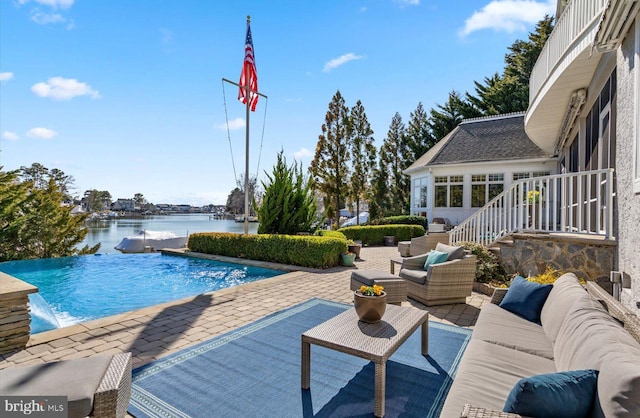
(127, 96)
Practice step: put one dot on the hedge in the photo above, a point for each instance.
(306, 251)
(402, 220)
(374, 235)
(330, 233)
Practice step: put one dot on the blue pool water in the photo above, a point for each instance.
(82, 288)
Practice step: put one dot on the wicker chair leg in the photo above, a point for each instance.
(112, 396)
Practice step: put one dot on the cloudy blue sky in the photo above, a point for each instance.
(127, 96)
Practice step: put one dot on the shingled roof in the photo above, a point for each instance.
(492, 138)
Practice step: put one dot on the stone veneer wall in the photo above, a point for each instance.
(589, 258)
(15, 320)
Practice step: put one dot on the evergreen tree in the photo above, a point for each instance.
(509, 92)
(446, 117)
(288, 205)
(40, 176)
(419, 138)
(97, 200)
(329, 167)
(363, 156)
(395, 156)
(379, 198)
(35, 222)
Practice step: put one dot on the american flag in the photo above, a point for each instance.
(249, 76)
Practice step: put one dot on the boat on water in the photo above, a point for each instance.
(150, 241)
(240, 218)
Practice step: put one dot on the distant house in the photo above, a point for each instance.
(473, 164)
(123, 205)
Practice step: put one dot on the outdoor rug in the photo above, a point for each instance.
(254, 371)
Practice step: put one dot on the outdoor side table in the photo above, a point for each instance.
(374, 342)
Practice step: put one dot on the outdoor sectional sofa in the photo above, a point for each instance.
(576, 332)
(98, 386)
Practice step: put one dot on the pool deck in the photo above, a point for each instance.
(157, 331)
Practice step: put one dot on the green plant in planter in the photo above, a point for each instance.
(488, 267)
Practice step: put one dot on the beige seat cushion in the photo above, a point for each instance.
(487, 373)
(566, 290)
(499, 326)
(417, 276)
(591, 339)
(77, 379)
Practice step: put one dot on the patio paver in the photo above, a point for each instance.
(157, 331)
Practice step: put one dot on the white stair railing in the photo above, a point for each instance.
(580, 203)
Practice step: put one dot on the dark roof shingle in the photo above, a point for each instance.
(496, 138)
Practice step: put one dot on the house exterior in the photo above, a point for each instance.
(584, 108)
(474, 163)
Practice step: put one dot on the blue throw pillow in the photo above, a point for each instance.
(564, 394)
(525, 298)
(435, 257)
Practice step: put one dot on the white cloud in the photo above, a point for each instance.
(41, 133)
(6, 76)
(59, 88)
(42, 18)
(508, 15)
(302, 153)
(234, 124)
(336, 62)
(10, 136)
(54, 4)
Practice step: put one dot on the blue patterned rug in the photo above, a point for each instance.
(254, 371)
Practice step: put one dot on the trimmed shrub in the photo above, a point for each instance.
(402, 220)
(374, 235)
(306, 251)
(330, 233)
(488, 267)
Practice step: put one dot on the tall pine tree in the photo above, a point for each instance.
(419, 138)
(329, 168)
(509, 92)
(395, 156)
(363, 156)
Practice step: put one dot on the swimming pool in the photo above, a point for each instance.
(82, 288)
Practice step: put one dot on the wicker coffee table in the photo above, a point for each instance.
(374, 342)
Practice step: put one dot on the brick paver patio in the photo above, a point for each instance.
(160, 330)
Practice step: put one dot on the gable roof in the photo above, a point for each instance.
(491, 138)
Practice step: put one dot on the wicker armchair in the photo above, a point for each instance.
(428, 242)
(442, 284)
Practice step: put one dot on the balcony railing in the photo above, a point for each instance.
(580, 203)
(578, 17)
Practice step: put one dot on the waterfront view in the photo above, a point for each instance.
(110, 232)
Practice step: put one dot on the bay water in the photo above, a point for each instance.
(110, 232)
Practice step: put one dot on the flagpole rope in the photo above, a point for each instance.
(264, 122)
(233, 163)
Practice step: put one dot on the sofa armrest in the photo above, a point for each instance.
(415, 262)
(112, 395)
(498, 295)
(470, 411)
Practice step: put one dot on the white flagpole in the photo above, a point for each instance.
(248, 94)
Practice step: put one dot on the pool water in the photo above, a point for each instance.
(82, 288)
